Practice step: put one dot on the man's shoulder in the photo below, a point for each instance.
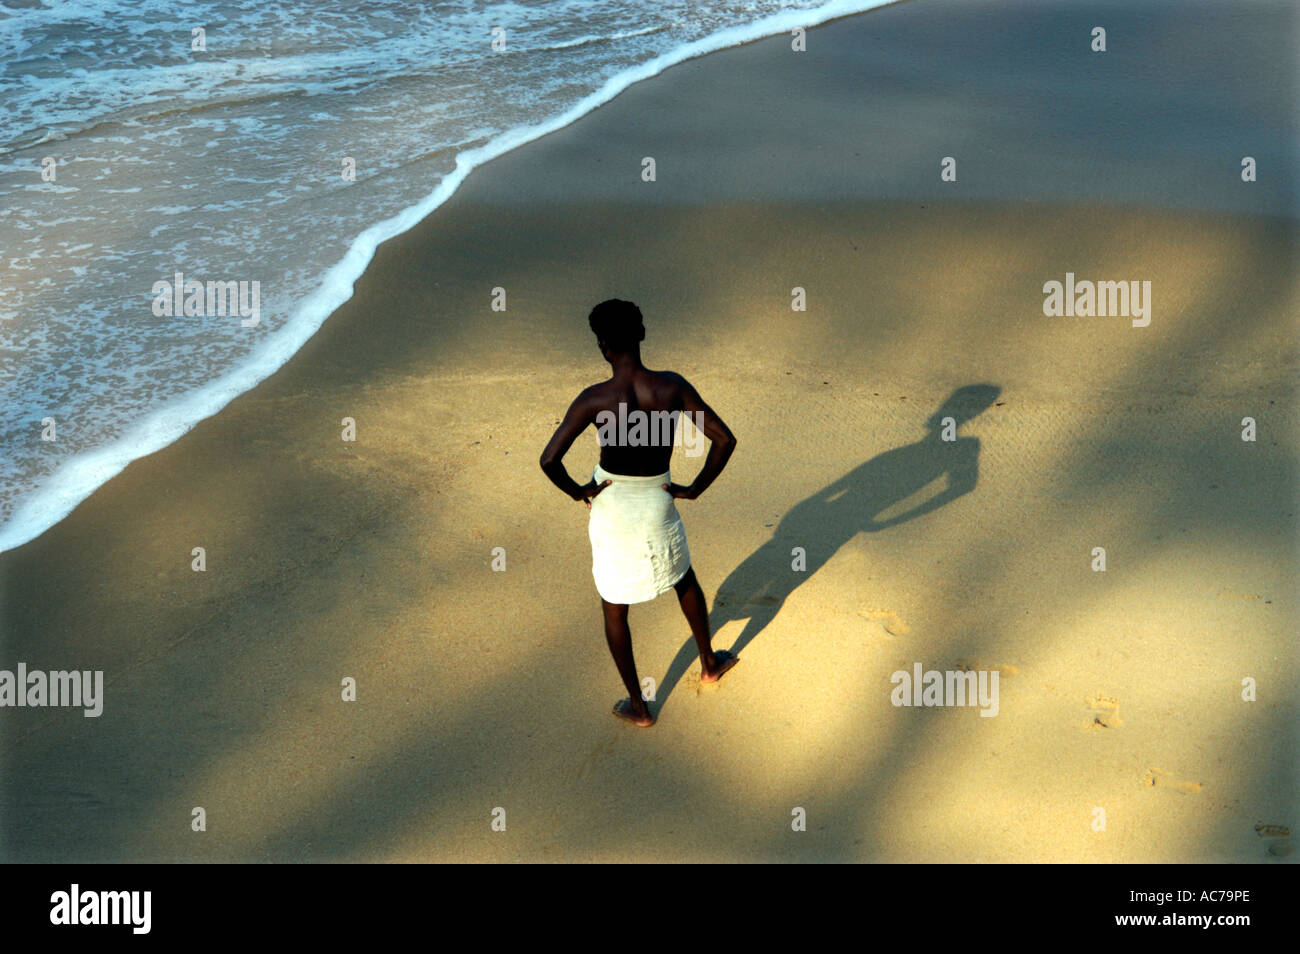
(594, 395)
(672, 377)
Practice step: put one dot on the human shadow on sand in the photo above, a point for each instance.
(757, 589)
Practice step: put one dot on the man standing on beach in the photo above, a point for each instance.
(637, 539)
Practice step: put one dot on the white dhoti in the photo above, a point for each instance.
(638, 541)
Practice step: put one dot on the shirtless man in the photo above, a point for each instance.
(631, 389)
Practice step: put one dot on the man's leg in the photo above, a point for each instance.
(619, 637)
(691, 597)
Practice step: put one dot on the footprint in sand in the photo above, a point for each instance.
(1280, 847)
(1159, 778)
(893, 625)
(976, 665)
(1105, 713)
(599, 754)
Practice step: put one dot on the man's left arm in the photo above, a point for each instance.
(722, 442)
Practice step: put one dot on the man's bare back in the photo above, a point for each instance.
(646, 391)
(637, 397)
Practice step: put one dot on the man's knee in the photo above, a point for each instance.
(686, 583)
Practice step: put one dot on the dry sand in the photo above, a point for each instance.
(479, 689)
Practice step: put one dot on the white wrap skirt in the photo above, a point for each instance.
(638, 541)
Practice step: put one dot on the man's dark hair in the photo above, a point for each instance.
(618, 323)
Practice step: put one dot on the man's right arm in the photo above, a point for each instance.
(576, 419)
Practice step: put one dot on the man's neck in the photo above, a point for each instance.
(625, 364)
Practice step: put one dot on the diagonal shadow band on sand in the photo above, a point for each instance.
(816, 528)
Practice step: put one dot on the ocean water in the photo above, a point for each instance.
(134, 147)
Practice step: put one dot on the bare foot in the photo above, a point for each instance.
(624, 710)
(722, 662)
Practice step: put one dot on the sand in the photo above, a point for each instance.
(1120, 691)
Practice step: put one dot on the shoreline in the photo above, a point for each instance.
(68, 486)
